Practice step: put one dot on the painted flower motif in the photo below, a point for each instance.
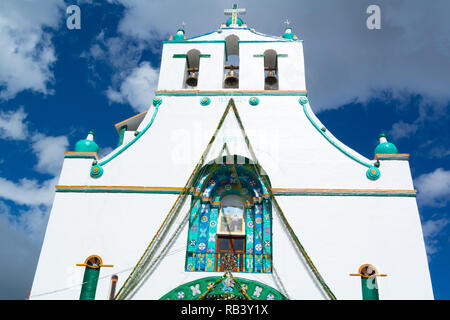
(228, 187)
(252, 182)
(227, 285)
(258, 220)
(250, 224)
(244, 287)
(250, 250)
(270, 297)
(180, 295)
(210, 286)
(192, 243)
(204, 218)
(258, 247)
(211, 250)
(212, 223)
(202, 246)
(267, 243)
(190, 267)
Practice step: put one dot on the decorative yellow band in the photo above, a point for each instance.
(276, 191)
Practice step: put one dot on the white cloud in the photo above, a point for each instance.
(402, 129)
(27, 54)
(12, 125)
(28, 192)
(49, 152)
(137, 89)
(434, 188)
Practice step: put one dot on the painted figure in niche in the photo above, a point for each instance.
(232, 220)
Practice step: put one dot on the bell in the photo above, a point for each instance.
(231, 79)
(271, 78)
(192, 79)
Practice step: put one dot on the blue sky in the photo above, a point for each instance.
(56, 84)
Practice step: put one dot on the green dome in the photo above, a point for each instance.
(288, 34)
(87, 145)
(179, 35)
(385, 147)
(239, 22)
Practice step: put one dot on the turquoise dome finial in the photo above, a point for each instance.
(180, 35)
(88, 144)
(288, 34)
(385, 147)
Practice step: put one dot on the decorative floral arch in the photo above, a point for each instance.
(217, 180)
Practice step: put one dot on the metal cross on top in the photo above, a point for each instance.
(287, 23)
(234, 13)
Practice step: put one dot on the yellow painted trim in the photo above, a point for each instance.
(343, 190)
(121, 122)
(71, 153)
(117, 187)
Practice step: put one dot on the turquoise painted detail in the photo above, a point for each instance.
(96, 171)
(373, 173)
(239, 22)
(86, 145)
(303, 100)
(178, 36)
(254, 101)
(386, 148)
(157, 101)
(205, 101)
(368, 165)
(186, 94)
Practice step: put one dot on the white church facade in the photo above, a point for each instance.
(229, 187)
